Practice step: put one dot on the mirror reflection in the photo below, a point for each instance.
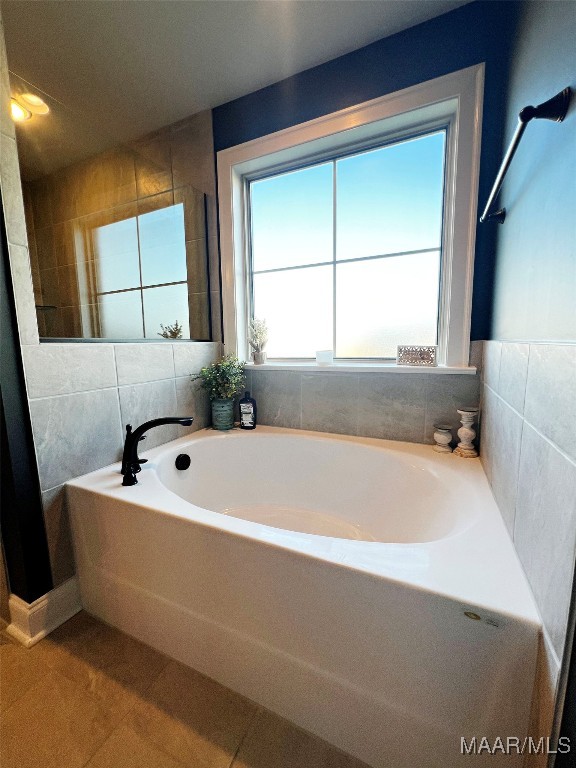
(118, 236)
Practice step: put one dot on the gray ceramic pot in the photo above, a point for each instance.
(223, 413)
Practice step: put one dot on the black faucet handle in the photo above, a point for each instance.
(130, 461)
(129, 432)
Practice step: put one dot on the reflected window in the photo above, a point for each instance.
(162, 246)
(140, 276)
(347, 254)
(164, 307)
(120, 315)
(116, 256)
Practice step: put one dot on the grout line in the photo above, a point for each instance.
(98, 748)
(550, 646)
(8, 136)
(145, 383)
(517, 479)
(497, 376)
(357, 415)
(538, 432)
(54, 487)
(301, 419)
(485, 454)
(428, 383)
(541, 342)
(251, 722)
(123, 718)
(121, 424)
(526, 380)
(107, 389)
(504, 401)
(68, 394)
(173, 360)
(115, 363)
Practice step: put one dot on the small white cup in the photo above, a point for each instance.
(325, 357)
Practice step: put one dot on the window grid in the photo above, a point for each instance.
(138, 288)
(335, 261)
(334, 236)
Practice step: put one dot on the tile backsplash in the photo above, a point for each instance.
(81, 397)
(393, 406)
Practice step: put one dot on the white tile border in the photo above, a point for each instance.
(30, 622)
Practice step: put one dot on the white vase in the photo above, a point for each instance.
(466, 433)
(443, 438)
(259, 357)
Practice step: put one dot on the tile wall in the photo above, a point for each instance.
(81, 394)
(529, 456)
(122, 383)
(14, 211)
(393, 406)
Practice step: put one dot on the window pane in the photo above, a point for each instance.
(121, 315)
(382, 303)
(162, 245)
(389, 200)
(116, 256)
(166, 306)
(297, 307)
(292, 218)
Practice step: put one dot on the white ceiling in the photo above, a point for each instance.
(114, 70)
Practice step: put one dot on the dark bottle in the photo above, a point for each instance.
(247, 412)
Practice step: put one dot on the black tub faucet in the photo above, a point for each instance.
(130, 461)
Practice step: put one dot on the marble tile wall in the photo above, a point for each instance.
(13, 204)
(528, 452)
(393, 406)
(80, 395)
(122, 383)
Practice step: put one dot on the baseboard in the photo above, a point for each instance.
(30, 622)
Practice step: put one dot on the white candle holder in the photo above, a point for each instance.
(443, 438)
(466, 433)
(325, 357)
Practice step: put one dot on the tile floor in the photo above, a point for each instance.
(89, 695)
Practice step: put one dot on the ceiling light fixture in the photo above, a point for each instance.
(34, 103)
(18, 112)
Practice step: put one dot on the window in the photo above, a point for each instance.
(355, 244)
(355, 232)
(140, 274)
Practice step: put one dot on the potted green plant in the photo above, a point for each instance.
(257, 338)
(222, 380)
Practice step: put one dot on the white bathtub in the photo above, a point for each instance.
(327, 579)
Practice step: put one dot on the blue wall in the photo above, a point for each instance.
(479, 32)
(535, 291)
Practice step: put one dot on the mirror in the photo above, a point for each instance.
(118, 230)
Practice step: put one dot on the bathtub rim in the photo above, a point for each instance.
(510, 598)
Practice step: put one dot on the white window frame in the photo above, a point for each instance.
(454, 100)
